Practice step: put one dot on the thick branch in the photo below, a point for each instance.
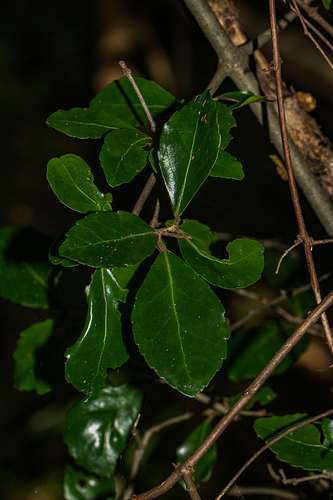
(233, 62)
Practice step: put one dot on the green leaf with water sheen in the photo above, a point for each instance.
(188, 149)
(97, 428)
(243, 268)
(80, 485)
(25, 270)
(250, 350)
(304, 447)
(122, 155)
(72, 182)
(85, 123)
(109, 239)
(203, 469)
(179, 325)
(227, 167)
(119, 99)
(226, 121)
(29, 369)
(100, 345)
(241, 98)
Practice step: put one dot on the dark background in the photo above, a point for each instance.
(59, 54)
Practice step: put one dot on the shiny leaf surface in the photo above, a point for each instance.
(119, 99)
(80, 485)
(25, 270)
(241, 98)
(85, 123)
(179, 325)
(303, 447)
(122, 156)
(243, 268)
(250, 350)
(100, 345)
(97, 428)
(203, 469)
(73, 183)
(109, 239)
(226, 121)
(227, 167)
(188, 150)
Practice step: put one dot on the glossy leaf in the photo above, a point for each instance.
(25, 270)
(188, 150)
(97, 428)
(80, 485)
(109, 239)
(28, 375)
(119, 99)
(243, 268)
(226, 121)
(303, 447)
(57, 259)
(85, 123)
(179, 325)
(100, 345)
(122, 155)
(250, 350)
(242, 98)
(73, 183)
(263, 397)
(203, 469)
(227, 167)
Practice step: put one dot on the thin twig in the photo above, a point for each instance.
(313, 12)
(128, 74)
(303, 234)
(268, 445)
(190, 485)
(313, 477)
(240, 404)
(306, 23)
(144, 194)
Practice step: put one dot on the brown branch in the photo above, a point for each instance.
(296, 480)
(268, 445)
(190, 485)
(313, 12)
(240, 404)
(233, 62)
(303, 234)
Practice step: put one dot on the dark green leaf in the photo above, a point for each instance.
(226, 121)
(26, 375)
(122, 156)
(203, 468)
(188, 149)
(85, 123)
(80, 485)
(25, 270)
(119, 99)
(54, 256)
(326, 4)
(242, 98)
(109, 239)
(97, 428)
(303, 447)
(179, 325)
(264, 396)
(100, 345)
(227, 167)
(243, 268)
(73, 183)
(251, 350)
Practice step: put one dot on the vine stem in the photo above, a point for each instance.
(253, 388)
(303, 234)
